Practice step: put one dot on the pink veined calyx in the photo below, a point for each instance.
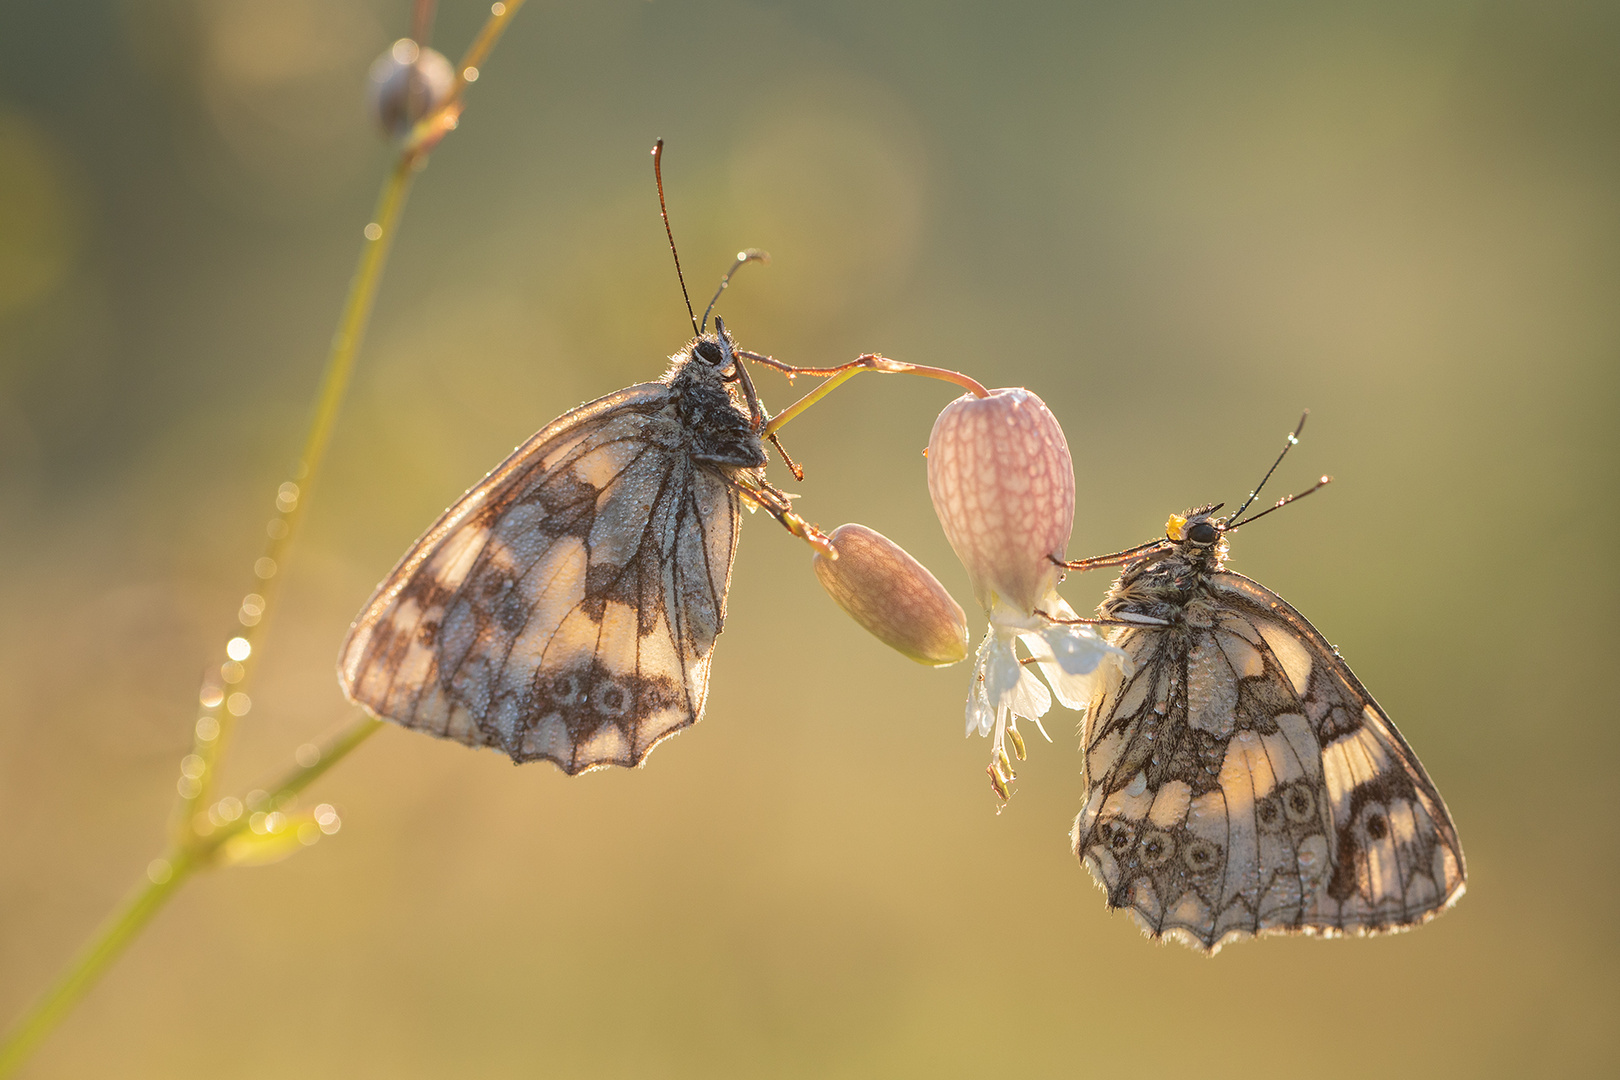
(1002, 482)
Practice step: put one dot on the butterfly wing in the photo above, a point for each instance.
(566, 607)
(1243, 781)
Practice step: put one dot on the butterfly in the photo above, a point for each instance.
(566, 607)
(1240, 780)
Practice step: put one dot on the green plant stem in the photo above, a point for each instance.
(190, 852)
(334, 384)
(333, 751)
(123, 924)
(149, 895)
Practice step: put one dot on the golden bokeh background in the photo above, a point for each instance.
(1179, 223)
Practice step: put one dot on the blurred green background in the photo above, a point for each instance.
(1179, 223)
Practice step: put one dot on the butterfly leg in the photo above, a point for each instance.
(1125, 620)
(793, 466)
(1118, 558)
(776, 503)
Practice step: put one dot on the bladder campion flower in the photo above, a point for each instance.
(893, 596)
(1002, 482)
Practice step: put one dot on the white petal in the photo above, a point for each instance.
(1002, 671)
(1030, 697)
(979, 713)
(1072, 691)
(1078, 649)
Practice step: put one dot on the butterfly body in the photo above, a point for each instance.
(1240, 780)
(566, 607)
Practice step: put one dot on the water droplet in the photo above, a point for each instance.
(264, 568)
(239, 704)
(307, 755)
(159, 871)
(211, 696)
(239, 648)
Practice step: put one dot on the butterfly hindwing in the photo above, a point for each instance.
(1242, 781)
(567, 606)
(1396, 858)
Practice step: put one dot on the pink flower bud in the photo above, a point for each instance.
(893, 596)
(1002, 483)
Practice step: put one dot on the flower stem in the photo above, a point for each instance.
(837, 376)
(102, 949)
(162, 880)
(190, 852)
(123, 924)
(340, 358)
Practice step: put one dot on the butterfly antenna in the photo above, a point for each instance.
(743, 257)
(1293, 439)
(663, 211)
(1319, 485)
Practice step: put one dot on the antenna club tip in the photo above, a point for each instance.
(1326, 480)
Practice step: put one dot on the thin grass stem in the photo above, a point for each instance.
(190, 849)
(86, 968)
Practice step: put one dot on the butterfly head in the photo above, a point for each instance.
(1199, 528)
(1198, 535)
(715, 350)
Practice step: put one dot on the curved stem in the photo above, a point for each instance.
(836, 376)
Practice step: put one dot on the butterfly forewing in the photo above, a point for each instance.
(567, 606)
(1241, 780)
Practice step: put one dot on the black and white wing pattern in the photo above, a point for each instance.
(1242, 781)
(566, 607)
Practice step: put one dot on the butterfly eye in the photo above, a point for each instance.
(709, 352)
(1202, 532)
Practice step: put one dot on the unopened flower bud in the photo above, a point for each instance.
(893, 596)
(1002, 483)
(407, 83)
